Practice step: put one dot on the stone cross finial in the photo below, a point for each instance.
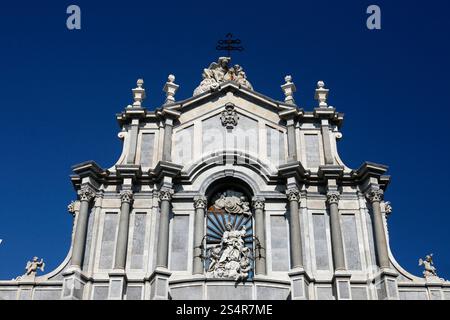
(321, 94)
(138, 94)
(288, 90)
(170, 88)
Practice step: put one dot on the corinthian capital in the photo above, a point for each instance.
(293, 194)
(333, 197)
(199, 202)
(126, 196)
(86, 193)
(165, 194)
(375, 195)
(258, 203)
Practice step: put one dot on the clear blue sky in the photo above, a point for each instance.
(60, 90)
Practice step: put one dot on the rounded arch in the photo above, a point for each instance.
(228, 182)
(230, 177)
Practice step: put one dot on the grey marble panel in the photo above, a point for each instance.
(245, 135)
(325, 293)
(138, 242)
(359, 293)
(134, 293)
(413, 295)
(25, 294)
(344, 289)
(351, 244)
(213, 134)
(180, 243)
(8, 294)
(108, 240)
(446, 295)
(184, 145)
(100, 293)
(271, 293)
(194, 292)
(275, 145)
(435, 295)
(229, 292)
(312, 149)
(147, 147)
(279, 243)
(321, 241)
(47, 294)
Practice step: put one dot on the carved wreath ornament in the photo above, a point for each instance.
(229, 116)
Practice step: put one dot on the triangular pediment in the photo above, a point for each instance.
(248, 101)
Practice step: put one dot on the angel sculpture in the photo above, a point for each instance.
(428, 264)
(31, 268)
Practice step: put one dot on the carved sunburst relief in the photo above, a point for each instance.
(229, 237)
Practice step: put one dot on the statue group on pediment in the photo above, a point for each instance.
(219, 72)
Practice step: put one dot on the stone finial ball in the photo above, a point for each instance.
(140, 82)
(288, 78)
(320, 84)
(171, 78)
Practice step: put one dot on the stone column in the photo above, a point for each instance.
(295, 238)
(336, 233)
(167, 148)
(375, 196)
(162, 257)
(86, 194)
(260, 233)
(199, 231)
(126, 197)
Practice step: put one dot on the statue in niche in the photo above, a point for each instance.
(230, 258)
(233, 205)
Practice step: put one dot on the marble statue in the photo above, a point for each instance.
(230, 258)
(31, 268)
(233, 205)
(428, 264)
(219, 72)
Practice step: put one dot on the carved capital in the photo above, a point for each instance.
(375, 195)
(165, 194)
(258, 203)
(293, 194)
(200, 202)
(333, 197)
(126, 196)
(86, 193)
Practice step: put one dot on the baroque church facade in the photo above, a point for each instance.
(229, 194)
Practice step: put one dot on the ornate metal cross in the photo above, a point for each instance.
(229, 44)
